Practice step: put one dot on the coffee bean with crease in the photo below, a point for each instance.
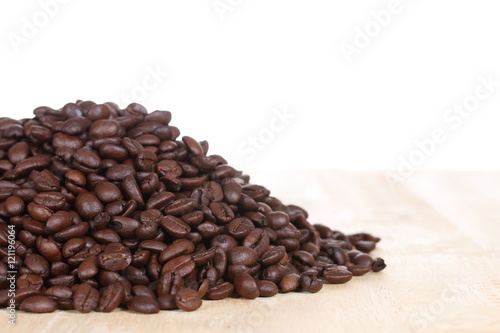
(115, 257)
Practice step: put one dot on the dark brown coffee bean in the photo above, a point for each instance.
(88, 268)
(289, 282)
(273, 255)
(115, 257)
(220, 290)
(267, 288)
(180, 247)
(14, 206)
(337, 275)
(242, 255)
(85, 298)
(132, 190)
(365, 246)
(107, 192)
(175, 226)
(221, 211)
(37, 264)
(143, 304)
(88, 205)
(258, 240)
(246, 286)
(310, 282)
(18, 152)
(119, 172)
(232, 192)
(225, 242)
(378, 265)
(167, 302)
(180, 207)
(38, 304)
(187, 299)
(182, 264)
(48, 249)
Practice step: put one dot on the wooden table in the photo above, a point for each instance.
(440, 238)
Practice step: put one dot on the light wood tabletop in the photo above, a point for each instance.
(440, 239)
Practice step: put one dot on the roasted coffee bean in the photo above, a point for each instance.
(337, 275)
(240, 227)
(143, 304)
(183, 264)
(85, 298)
(267, 288)
(180, 247)
(225, 242)
(187, 299)
(273, 255)
(175, 226)
(220, 290)
(38, 304)
(277, 220)
(246, 286)
(289, 282)
(115, 257)
(242, 255)
(310, 282)
(378, 265)
(88, 205)
(14, 206)
(107, 192)
(37, 264)
(221, 211)
(365, 246)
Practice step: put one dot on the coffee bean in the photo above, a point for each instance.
(337, 275)
(143, 304)
(267, 288)
(289, 282)
(310, 282)
(38, 304)
(175, 226)
(88, 205)
(85, 298)
(246, 286)
(187, 299)
(107, 192)
(240, 227)
(115, 257)
(242, 255)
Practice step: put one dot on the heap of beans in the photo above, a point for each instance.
(109, 209)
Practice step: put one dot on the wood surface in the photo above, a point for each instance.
(440, 238)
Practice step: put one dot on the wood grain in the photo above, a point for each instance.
(440, 237)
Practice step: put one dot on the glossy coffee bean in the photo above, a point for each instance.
(187, 299)
(38, 304)
(85, 298)
(143, 304)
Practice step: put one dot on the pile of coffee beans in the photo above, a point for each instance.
(104, 208)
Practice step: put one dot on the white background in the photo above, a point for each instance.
(231, 64)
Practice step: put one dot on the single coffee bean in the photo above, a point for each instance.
(85, 298)
(246, 286)
(143, 304)
(310, 282)
(267, 288)
(337, 275)
(187, 299)
(88, 205)
(289, 282)
(38, 304)
(115, 257)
